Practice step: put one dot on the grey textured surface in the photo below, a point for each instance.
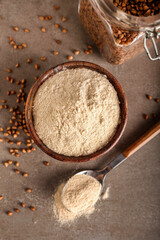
(132, 211)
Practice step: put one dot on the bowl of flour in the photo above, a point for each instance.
(76, 111)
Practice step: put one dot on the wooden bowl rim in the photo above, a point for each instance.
(72, 65)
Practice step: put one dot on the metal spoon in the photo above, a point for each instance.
(100, 174)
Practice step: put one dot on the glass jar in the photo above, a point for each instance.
(119, 36)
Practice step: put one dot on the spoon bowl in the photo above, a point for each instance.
(98, 175)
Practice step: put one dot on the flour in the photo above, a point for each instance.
(105, 194)
(80, 192)
(76, 112)
(62, 214)
(78, 196)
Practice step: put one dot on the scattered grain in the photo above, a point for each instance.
(22, 204)
(18, 143)
(18, 82)
(1, 129)
(6, 164)
(16, 210)
(43, 59)
(12, 80)
(10, 213)
(43, 29)
(23, 150)
(23, 81)
(36, 66)
(28, 144)
(70, 57)
(157, 100)
(5, 134)
(7, 139)
(20, 47)
(64, 30)
(15, 46)
(49, 17)
(28, 150)
(86, 52)
(17, 164)
(46, 163)
(25, 174)
(32, 208)
(56, 25)
(146, 116)
(58, 41)
(41, 17)
(76, 52)
(12, 43)
(148, 97)
(64, 19)
(17, 65)
(24, 45)
(26, 30)
(29, 60)
(10, 162)
(55, 52)
(56, 7)
(29, 190)
(33, 149)
(16, 29)
(9, 70)
(11, 150)
(17, 154)
(12, 92)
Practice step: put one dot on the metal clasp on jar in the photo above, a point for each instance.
(152, 35)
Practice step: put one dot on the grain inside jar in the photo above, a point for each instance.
(116, 43)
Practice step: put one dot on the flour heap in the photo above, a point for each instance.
(76, 112)
(77, 198)
(81, 192)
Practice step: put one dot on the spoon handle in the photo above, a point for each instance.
(151, 133)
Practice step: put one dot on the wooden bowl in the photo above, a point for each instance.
(53, 71)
